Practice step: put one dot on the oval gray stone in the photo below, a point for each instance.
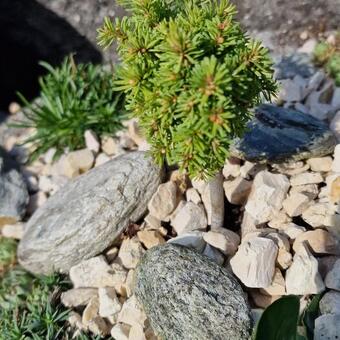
(278, 135)
(187, 296)
(86, 215)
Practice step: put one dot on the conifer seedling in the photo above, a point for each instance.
(191, 76)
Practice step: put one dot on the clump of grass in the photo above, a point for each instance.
(73, 99)
(327, 54)
(7, 253)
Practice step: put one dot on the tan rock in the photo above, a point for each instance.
(152, 222)
(91, 141)
(335, 190)
(320, 164)
(284, 257)
(231, 168)
(291, 168)
(135, 132)
(277, 287)
(306, 178)
(302, 277)
(74, 320)
(254, 262)
(192, 195)
(15, 231)
(223, 239)
(119, 276)
(189, 218)
(181, 179)
(110, 146)
(268, 192)
(336, 161)
(150, 238)
(237, 191)
(248, 224)
(296, 204)
(109, 305)
(129, 283)
(292, 230)
(281, 218)
(136, 333)
(309, 190)
(111, 254)
(132, 313)
(263, 300)
(130, 252)
(213, 201)
(320, 242)
(316, 214)
(120, 331)
(94, 273)
(164, 201)
(250, 170)
(101, 159)
(77, 162)
(91, 311)
(98, 326)
(78, 296)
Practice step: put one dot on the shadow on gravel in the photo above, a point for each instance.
(30, 33)
(7, 162)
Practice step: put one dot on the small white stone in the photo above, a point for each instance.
(290, 91)
(277, 287)
(192, 195)
(150, 238)
(36, 201)
(231, 168)
(335, 125)
(164, 201)
(223, 239)
(332, 279)
(292, 230)
(330, 303)
(110, 146)
(306, 178)
(254, 262)
(135, 132)
(91, 141)
(308, 47)
(316, 214)
(130, 252)
(74, 320)
(152, 222)
(302, 277)
(296, 204)
(129, 283)
(268, 192)
(237, 191)
(316, 80)
(213, 201)
(120, 331)
(109, 305)
(322, 111)
(291, 168)
(320, 164)
(136, 333)
(132, 313)
(327, 327)
(15, 231)
(191, 240)
(250, 170)
(336, 161)
(77, 162)
(78, 296)
(90, 311)
(214, 254)
(49, 155)
(102, 158)
(281, 218)
(248, 224)
(191, 217)
(310, 190)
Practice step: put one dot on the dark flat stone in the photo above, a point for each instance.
(277, 135)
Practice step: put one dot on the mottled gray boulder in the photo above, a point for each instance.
(13, 194)
(278, 135)
(87, 214)
(187, 296)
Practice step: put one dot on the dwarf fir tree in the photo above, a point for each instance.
(191, 76)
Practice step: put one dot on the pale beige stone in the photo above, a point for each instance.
(132, 313)
(129, 283)
(284, 257)
(268, 192)
(191, 217)
(336, 161)
(150, 238)
(15, 231)
(292, 230)
(109, 305)
(135, 132)
(101, 159)
(130, 252)
(78, 296)
(320, 242)
(281, 218)
(77, 162)
(223, 239)
(291, 168)
(109, 146)
(277, 286)
(213, 201)
(95, 273)
(263, 300)
(295, 204)
(231, 168)
(192, 195)
(250, 170)
(237, 191)
(248, 224)
(309, 190)
(306, 178)
(181, 179)
(315, 215)
(254, 262)
(91, 141)
(111, 254)
(153, 222)
(136, 333)
(74, 320)
(91, 311)
(98, 326)
(335, 190)
(302, 277)
(320, 164)
(164, 201)
(120, 331)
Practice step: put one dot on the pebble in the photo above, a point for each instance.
(302, 277)
(268, 192)
(335, 190)
(189, 218)
(132, 312)
(262, 300)
(291, 168)
(327, 327)
(254, 262)
(295, 204)
(237, 190)
(316, 214)
(309, 190)
(320, 164)
(110, 146)
(120, 331)
(77, 162)
(223, 239)
(130, 252)
(15, 231)
(306, 178)
(249, 170)
(164, 201)
(91, 311)
(290, 90)
(135, 132)
(330, 303)
(332, 279)
(192, 195)
(102, 158)
(77, 297)
(150, 238)
(91, 141)
(293, 230)
(109, 305)
(336, 161)
(136, 333)
(277, 286)
(281, 218)
(231, 168)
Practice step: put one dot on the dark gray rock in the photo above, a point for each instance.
(87, 214)
(277, 135)
(13, 194)
(187, 296)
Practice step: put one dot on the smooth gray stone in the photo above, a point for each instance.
(277, 135)
(86, 215)
(187, 296)
(13, 194)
